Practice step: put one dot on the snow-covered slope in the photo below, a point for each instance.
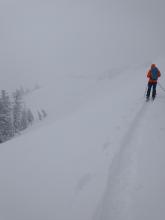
(98, 156)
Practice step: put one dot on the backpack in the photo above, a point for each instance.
(154, 73)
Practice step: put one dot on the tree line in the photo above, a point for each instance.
(14, 115)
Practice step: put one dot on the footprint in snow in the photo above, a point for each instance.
(118, 128)
(106, 145)
(83, 181)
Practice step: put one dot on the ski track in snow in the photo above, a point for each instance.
(117, 199)
(101, 162)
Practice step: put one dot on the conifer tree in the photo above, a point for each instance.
(30, 117)
(44, 113)
(17, 111)
(24, 120)
(39, 115)
(6, 125)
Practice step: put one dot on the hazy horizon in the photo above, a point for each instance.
(41, 39)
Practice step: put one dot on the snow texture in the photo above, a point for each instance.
(99, 155)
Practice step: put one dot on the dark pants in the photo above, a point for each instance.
(153, 87)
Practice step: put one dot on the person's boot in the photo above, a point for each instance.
(147, 98)
(153, 97)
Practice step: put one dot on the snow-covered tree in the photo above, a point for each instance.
(24, 120)
(30, 117)
(17, 111)
(6, 123)
(44, 113)
(39, 115)
(14, 116)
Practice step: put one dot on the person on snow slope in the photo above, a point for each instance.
(153, 74)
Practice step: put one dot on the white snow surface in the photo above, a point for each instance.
(100, 154)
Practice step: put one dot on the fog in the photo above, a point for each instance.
(40, 39)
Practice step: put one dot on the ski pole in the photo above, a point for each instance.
(145, 91)
(161, 87)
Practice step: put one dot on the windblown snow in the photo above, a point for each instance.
(99, 155)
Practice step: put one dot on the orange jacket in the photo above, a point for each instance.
(149, 76)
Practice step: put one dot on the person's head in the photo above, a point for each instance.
(153, 65)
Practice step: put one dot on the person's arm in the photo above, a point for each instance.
(149, 74)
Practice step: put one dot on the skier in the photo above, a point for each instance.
(153, 75)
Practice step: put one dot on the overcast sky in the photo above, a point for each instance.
(43, 38)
